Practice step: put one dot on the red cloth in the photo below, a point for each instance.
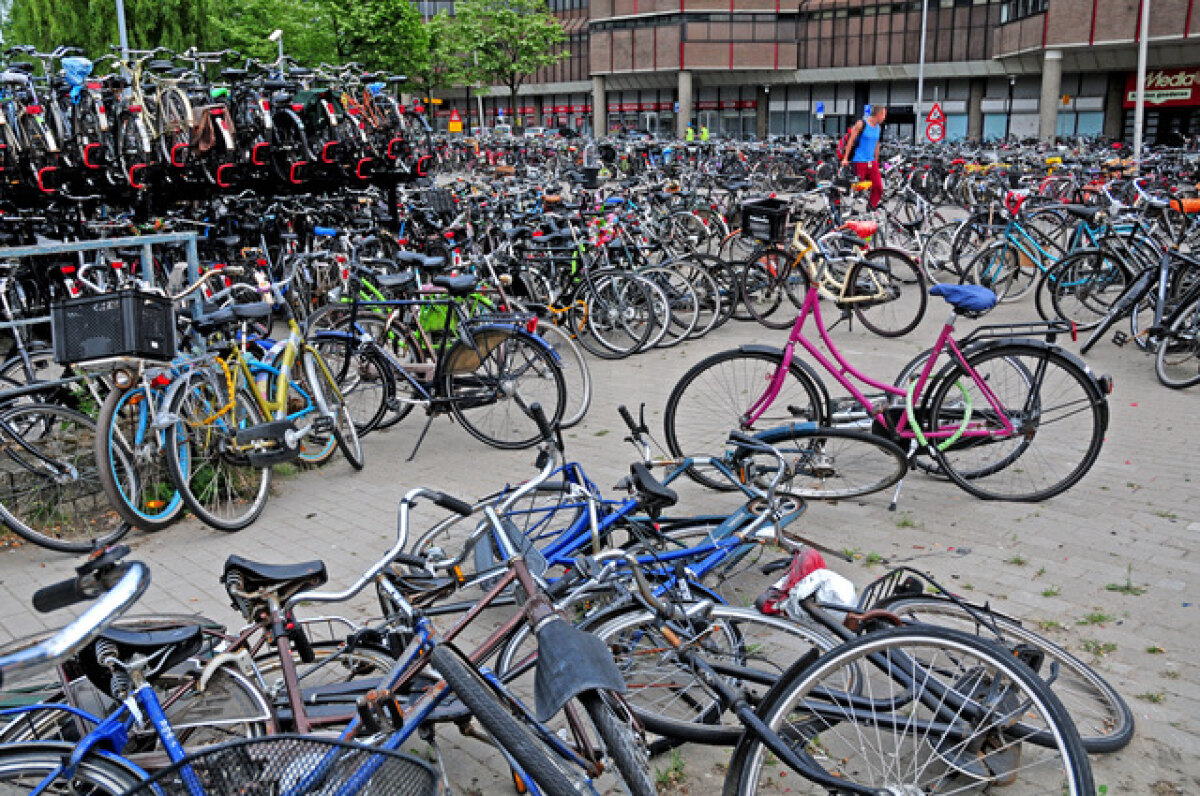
(870, 171)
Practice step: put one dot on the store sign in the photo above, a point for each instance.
(560, 109)
(1166, 87)
(748, 105)
(707, 105)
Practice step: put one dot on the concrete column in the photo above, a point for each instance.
(763, 98)
(599, 108)
(975, 108)
(1051, 94)
(1114, 107)
(685, 105)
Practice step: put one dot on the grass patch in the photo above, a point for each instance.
(1017, 561)
(906, 521)
(1096, 618)
(1047, 625)
(1155, 650)
(1127, 588)
(1053, 591)
(1155, 697)
(1097, 648)
(673, 774)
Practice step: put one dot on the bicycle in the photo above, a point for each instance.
(976, 417)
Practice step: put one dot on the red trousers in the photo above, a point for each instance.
(870, 171)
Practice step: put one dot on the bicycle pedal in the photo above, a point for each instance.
(1120, 338)
(323, 425)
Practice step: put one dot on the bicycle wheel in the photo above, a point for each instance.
(937, 254)
(765, 278)
(1057, 413)
(620, 316)
(829, 463)
(1082, 287)
(577, 377)
(23, 767)
(661, 306)
(995, 267)
(493, 383)
(364, 379)
(216, 478)
(50, 483)
(509, 732)
(1177, 361)
(683, 305)
(326, 392)
(713, 397)
(1126, 303)
(915, 710)
(621, 743)
(1104, 721)
(749, 649)
(887, 292)
(143, 494)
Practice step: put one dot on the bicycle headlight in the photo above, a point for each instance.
(122, 378)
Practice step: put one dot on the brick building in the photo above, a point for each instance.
(758, 67)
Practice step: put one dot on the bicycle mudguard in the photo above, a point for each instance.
(570, 661)
(797, 362)
(520, 330)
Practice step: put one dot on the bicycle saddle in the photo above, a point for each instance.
(1084, 212)
(402, 281)
(293, 577)
(863, 229)
(456, 285)
(655, 496)
(159, 65)
(966, 298)
(419, 260)
(179, 644)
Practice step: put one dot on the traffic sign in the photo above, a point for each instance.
(935, 131)
(820, 108)
(677, 107)
(455, 125)
(935, 114)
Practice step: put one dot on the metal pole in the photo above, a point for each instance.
(281, 50)
(921, 69)
(122, 31)
(1139, 108)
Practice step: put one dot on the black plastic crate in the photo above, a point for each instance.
(765, 219)
(125, 324)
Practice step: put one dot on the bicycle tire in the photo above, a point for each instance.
(994, 266)
(1051, 389)
(620, 315)
(365, 380)
(977, 748)
(764, 283)
(1103, 718)
(577, 376)
(683, 304)
(125, 421)
(512, 736)
(97, 774)
(326, 392)
(662, 310)
(823, 462)
(67, 512)
(1177, 360)
(1082, 287)
(226, 474)
(493, 384)
(711, 399)
(896, 287)
(629, 756)
(672, 701)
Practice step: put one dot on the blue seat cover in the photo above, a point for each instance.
(966, 298)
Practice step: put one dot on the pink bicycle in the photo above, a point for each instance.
(1005, 417)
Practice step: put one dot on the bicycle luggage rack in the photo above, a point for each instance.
(145, 243)
(999, 331)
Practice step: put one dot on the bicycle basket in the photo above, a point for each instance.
(765, 219)
(293, 764)
(128, 323)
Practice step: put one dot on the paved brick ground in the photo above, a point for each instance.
(1135, 516)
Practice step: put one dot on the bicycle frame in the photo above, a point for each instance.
(843, 372)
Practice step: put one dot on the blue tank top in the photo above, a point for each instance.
(864, 148)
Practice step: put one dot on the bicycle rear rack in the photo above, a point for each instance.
(999, 331)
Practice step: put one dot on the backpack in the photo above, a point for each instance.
(844, 142)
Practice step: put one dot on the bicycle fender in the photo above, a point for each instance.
(797, 362)
(242, 659)
(519, 331)
(570, 661)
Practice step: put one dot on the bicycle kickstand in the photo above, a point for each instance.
(421, 438)
(913, 447)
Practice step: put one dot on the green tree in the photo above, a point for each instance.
(511, 39)
(381, 34)
(92, 24)
(309, 30)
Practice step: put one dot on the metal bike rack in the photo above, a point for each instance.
(144, 242)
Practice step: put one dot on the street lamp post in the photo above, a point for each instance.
(1139, 108)
(122, 31)
(277, 37)
(921, 69)
(1012, 81)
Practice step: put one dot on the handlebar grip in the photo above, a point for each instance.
(539, 417)
(58, 595)
(628, 418)
(453, 504)
(409, 560)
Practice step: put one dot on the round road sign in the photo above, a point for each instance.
(935, 131)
